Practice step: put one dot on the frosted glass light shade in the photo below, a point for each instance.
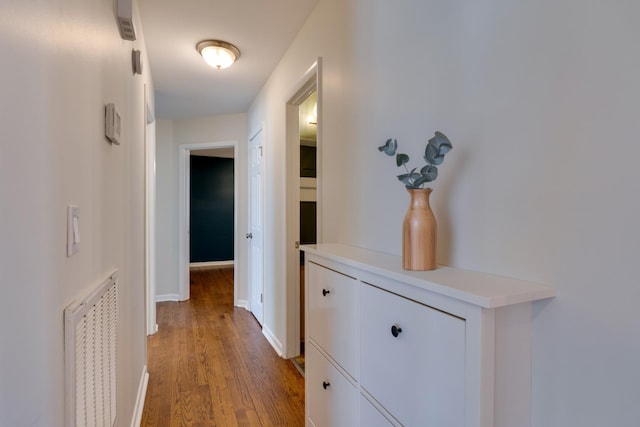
(218, 54)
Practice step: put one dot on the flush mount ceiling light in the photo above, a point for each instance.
(217, 53)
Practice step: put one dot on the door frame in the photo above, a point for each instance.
(311, 81)
(184, 172)
(151, 324)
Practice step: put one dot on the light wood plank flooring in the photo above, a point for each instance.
(210, 365)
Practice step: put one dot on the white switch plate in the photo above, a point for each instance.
(112, 124)
(73, 230)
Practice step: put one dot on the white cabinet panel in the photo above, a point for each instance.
(370, 416)
(418, 375)
(334, 399)
(333, 315)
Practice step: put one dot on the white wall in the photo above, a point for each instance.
(62, 62)
(170, 135)
(540, 99)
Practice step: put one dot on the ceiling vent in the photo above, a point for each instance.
(125, 20)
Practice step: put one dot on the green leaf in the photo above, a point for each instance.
(429, 173)
(405, 178)
(444, 145)
(401, 159)
(389, 148)
(437, 147)
(414, 181)
(431, 155)
(408, 179)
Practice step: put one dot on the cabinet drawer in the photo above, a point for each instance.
(331, 400)
(333, 315)
(417, 376)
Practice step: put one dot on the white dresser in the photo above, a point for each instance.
(443, 348)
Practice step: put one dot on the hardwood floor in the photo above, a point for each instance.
(210, 365)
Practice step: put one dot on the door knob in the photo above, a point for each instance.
(249, 235)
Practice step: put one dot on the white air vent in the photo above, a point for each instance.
(125, 20)
(90, 357)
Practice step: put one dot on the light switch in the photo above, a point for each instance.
(73, 230)
(76, 231)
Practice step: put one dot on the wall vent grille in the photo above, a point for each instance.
(125, 20)
(90, 358)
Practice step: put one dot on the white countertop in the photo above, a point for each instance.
(482, 289)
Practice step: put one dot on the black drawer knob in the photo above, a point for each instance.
(396, 330)
(325, 292)
(325, 385)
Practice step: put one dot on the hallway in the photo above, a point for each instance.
(210, 365)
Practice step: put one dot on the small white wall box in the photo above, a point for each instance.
(112, 123)
(136, 61)
(125, 20)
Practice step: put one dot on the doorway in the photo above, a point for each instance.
(211, 220)
(184, 228)
(308, 121)
(306, 97)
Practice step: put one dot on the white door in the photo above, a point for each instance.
(254, 236)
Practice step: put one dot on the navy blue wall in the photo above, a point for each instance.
(211, 209)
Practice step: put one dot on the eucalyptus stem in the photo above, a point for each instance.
(434, 154)
(408, 173)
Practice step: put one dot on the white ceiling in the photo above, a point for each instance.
(185, 86)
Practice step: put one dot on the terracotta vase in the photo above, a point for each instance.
(419, 233)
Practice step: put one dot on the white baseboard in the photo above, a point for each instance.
(209, 264)
(142, 392)
(243, 303)
(167, 297)
(277, 345)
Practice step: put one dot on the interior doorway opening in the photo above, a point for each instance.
(303, 118)
(213, 149)
(211, 213)
(308, 124)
